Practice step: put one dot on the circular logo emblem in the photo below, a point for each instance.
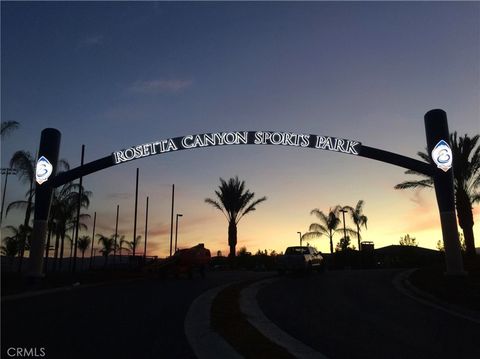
(442, 155)
(43, 170)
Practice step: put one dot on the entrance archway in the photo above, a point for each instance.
(437, 134)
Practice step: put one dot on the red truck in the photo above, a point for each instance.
(184, 261)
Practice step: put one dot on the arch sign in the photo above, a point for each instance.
(437, 134)
(237, 138)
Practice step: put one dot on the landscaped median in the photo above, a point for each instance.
(460, 291)
(228, 320)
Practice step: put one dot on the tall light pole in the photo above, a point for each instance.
(115, 238)
(146, 233)
(93, 238)
(171, 218)
(176, 230)
(6, 172)
(300, 235)
(135, 219)
(344, 228)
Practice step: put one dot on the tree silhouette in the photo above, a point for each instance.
(7, 127)
(24, 163)
(83, 243)
(328, 225)
(132, 245)
(234, 201)
(107, 244)
(466, 174)
(408, 241)
(358, 218)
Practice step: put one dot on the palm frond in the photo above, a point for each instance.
(16, 205)
(8, 126)
(428, 183)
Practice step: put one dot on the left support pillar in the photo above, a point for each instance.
(49, 150)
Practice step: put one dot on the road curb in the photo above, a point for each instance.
(253, 313)
(205, 342)
(402, 283)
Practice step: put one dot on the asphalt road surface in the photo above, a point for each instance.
(141, 319)
(360, 314)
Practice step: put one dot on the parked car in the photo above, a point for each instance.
(300, 259)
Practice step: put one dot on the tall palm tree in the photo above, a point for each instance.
(234, 201)
(328, 225)
(24, 163)
(63, 215)
(107, 244)
(7, 127)
(358, 218)
(466, 174)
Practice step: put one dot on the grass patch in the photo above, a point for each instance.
(228, 320)
(16, 283)
(461, 291)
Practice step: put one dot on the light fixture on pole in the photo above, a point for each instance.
(300, 235)
(176, 230)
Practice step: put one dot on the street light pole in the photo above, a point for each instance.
(6, 172)
(176, 230)
(171, 218)
(300, 234)
(344, 228)
(146, 233)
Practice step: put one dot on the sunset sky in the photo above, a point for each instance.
(112, 75)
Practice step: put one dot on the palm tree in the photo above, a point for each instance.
(120, 243)
(328, 225)
(133, 244)
(466, 174)
(358, 218)
(83, 244)
(234, 202)
(107, 244)
(7, 127)
(13, 243)
(24, 163)
(63, 214)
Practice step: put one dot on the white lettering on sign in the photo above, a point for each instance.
(237, 138)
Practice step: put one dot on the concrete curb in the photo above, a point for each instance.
(74, 286)
(205, 342)
(402, 283)
(253, 313)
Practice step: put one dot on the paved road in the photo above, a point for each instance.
(141, 319)
(359, 314)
